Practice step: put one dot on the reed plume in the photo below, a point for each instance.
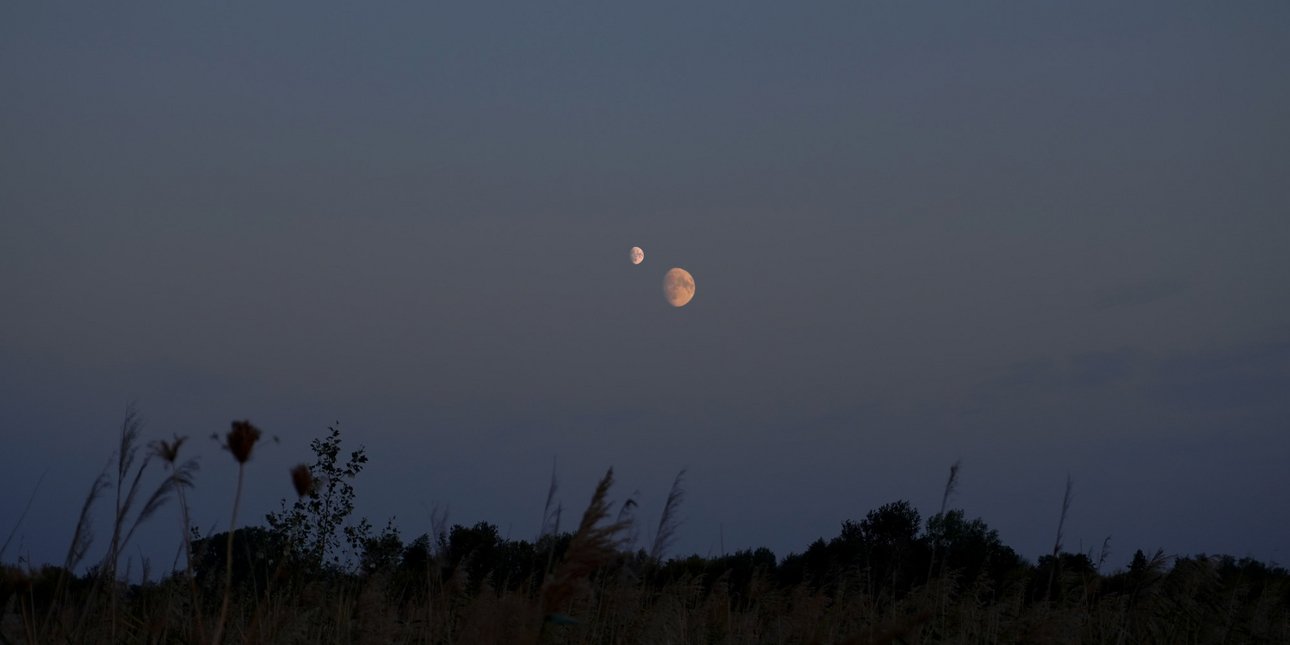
(123, 529)
(592, 546)
(181, 477)
(950, 484)
(1057, 544)
(82, 538)
(550, 513)
(669, 521)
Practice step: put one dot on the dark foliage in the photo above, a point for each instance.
(889, 577)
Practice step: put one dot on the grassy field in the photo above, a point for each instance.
(315, 575)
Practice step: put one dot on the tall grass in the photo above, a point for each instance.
(1057, 543)
(181, 478)
(240, 441)
(470, 585)
(669, 521)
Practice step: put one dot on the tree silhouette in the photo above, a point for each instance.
(312, 527)
(969, 548)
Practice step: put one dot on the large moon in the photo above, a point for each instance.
(678, 287)
(637, 255)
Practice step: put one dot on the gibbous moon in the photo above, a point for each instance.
(678, 287)
(637, 255)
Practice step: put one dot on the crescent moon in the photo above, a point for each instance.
(678, 287)
(637, 255)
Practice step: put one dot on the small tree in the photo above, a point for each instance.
(890, 538)
(969, 548)
(311, 528)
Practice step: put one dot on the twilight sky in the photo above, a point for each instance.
(1041, 239)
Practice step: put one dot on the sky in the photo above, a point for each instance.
(1043, 239)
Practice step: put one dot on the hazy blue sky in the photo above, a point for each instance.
(1043, 238)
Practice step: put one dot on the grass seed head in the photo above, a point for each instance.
(303, 480)
(241, 439)
(168, 450)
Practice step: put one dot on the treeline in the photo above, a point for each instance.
(313, 573)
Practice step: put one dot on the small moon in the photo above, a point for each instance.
(678, 287)
(637, 255)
